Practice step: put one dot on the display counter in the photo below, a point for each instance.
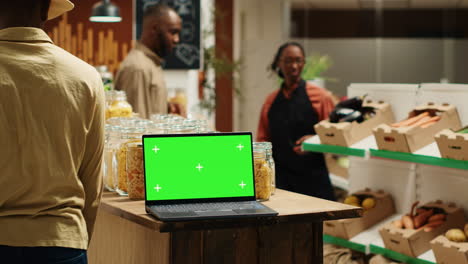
(125, 234)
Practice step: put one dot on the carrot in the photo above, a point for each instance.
(412, 208)
(436, 217)
(410, 121)
(431, 121)
(420, 219)
(432, 225)
(420, 121)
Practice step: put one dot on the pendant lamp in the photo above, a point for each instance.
(105, 11)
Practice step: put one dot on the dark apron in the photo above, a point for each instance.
(289, 120)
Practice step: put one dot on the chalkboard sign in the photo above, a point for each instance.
(186, 54)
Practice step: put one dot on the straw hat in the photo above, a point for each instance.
(58, 7)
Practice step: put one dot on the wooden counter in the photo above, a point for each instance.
(125, 234)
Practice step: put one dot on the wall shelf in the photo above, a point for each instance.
(428, 155)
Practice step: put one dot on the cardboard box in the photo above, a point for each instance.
(410, 139)
(346, 134)
(452, 145)
(448, 252)
(413, 242)
(348, 228)
(334, 167)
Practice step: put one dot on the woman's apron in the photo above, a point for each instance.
(289, 120)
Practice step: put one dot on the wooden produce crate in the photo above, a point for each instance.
(411, 138)
(346, 134)
(414, 242)
(348, 228)
(452, 145)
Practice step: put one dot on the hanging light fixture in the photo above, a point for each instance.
(105, 11)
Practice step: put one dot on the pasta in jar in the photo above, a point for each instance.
(135, 173)
(263, 175)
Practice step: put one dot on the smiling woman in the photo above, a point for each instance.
(287, 118)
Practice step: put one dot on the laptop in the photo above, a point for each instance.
(200, 176)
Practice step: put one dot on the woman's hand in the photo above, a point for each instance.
(298, 148)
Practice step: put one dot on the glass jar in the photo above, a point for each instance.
(263, 174)
(201, 125)
(118, 105)
(110, 161)
(271, 162)
(158, 128)
(183, 129)
(179, 97)
(129, 135)
(135, 172)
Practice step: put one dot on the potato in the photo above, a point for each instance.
(368, 203)
(456, 235)
(352, 200)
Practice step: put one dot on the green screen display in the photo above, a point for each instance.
(196, 167)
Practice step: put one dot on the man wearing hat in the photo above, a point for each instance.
(51, 140)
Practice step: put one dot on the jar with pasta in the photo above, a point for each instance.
(135, 172)
(117, 105)
(271, 162)
(130, 135)
(263, 175)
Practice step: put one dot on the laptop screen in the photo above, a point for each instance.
(198, 167)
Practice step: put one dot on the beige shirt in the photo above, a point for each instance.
(141, 77)
(51, 141)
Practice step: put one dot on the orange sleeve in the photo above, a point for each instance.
(321, 100)
(263, 131)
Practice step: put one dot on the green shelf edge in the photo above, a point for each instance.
(416, 158)
(334, 149)
(397, 256)
(344, 243)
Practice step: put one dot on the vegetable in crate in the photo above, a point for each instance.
(456, 235)
(351, 110)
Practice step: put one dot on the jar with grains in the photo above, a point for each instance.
(263, 175)
(117, 105)
(135, 172)
(271, 162)
(129, 135)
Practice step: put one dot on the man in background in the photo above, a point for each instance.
(140, 74)
(51, 140)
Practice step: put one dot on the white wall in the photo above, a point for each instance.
(262, 25)
(258, 31)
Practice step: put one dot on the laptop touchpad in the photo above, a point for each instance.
(216, 213)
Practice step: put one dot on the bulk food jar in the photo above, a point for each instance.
(263, 173)
(271, 162)
(135, 172)
(129, 135)
(110, 161)
(117, 105)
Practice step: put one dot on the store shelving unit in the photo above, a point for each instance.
(423, 175)
(370, 241)
(367, 148)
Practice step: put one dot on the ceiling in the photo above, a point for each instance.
(390, 4)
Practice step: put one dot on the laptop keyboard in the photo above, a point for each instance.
(201, 207)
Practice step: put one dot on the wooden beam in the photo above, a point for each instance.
(224, 48)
